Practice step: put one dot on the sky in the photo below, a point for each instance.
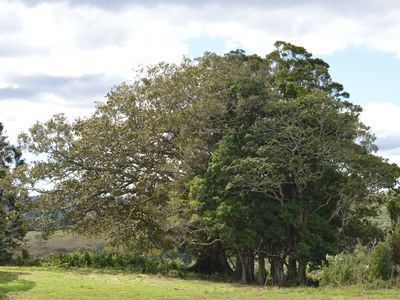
(63, 56)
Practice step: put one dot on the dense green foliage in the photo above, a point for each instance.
(238, 158)
(346, 268)
(381, 261)
(12, 227)
(363, 265)
(115, 260)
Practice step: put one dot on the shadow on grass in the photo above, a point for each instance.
(11, 283)
(172, 274)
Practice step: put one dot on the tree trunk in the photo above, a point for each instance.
(292, 264)
(247, 269)
(292, 270)
(278, 275)
(302, 275)
(261, 278)
(238, 267)
(251, 267)
(212, 260)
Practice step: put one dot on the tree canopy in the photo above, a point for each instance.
(12, 199)
(223, 156)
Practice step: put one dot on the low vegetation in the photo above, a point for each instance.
(117, 261)
(43, 283)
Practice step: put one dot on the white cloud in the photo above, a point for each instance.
(61, 58)
(87, 39)
(18, 116)
(75, 39)
(393, 155)
(107, 39)
(383, 118)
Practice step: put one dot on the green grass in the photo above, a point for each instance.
(59, 242)
(42, 283)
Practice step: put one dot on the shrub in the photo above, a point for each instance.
(104, 259)
(340, 269)
(24, 259)
(381, 261)
(394, 241)
(346, 268)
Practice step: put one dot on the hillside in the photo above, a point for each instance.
(60, 242)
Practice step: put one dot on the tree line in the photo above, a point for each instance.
(238, 160)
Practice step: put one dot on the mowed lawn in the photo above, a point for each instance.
(42, 283)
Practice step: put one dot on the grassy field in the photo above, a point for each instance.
(42, 283)
(59, 242)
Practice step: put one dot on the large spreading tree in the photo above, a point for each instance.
(225, 157)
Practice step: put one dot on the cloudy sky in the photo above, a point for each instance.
(62, 56)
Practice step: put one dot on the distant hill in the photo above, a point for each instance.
(60, 242)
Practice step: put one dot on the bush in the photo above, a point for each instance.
(346, 269)
(24, 259)
(394, 241)
(340, 269)
(381, 261)
(115, 260)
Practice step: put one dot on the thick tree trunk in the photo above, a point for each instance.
(292, 264)
(292, 270)
(212, 260)
(247, 269)
(302, 275)
(278, 275)
(251, 267)
(261, 277)
(238, 267)
(245, 274)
